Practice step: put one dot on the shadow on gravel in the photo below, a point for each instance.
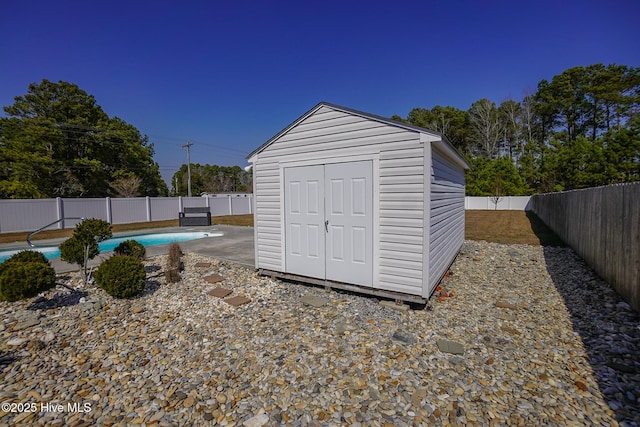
(150, 288)
(608, 326)
(58, 300)
(542, 232)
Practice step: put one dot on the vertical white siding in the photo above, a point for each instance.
(447, 215)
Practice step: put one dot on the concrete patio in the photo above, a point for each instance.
(235, 244)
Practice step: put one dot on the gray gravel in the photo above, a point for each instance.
(528, 336)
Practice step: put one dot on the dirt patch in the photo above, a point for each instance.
(509, 227)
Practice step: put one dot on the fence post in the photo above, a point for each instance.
(180, 204)
(250, 198)
(108, 207)
(230, 205)
(59, 212)
(148, 200)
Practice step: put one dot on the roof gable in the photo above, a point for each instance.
(443, 143)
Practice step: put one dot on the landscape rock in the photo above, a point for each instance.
(177, 356)
(256, 421)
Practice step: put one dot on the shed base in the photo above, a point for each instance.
(397, 296)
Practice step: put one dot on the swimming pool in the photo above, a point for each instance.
(52, 252)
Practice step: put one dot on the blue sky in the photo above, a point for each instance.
(228, 77)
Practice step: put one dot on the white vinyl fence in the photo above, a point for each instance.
(30, 214)
(506, 203)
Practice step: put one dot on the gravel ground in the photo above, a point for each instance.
(528, 336)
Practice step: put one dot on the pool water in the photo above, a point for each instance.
(52, 252)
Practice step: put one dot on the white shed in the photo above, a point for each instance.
(351, 200)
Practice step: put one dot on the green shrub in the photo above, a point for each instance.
(75, 251)
(29, 256)
(93, 229)
(83, 245)
(121, 276)
(131, 248)
(19, 280)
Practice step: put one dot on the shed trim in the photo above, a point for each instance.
(426, 212)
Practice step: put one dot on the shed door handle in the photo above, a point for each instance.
(326, 226)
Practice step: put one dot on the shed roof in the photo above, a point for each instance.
(442, 144)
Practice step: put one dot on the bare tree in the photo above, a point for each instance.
(127, 186)
(440, 124)
(487, 128)
(527, 114)
(511, 116)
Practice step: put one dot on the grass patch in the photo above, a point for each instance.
(493, 226)
(509, 227)
(241, 220)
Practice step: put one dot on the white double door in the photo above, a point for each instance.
(329, 222)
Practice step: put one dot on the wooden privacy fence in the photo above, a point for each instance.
(31, 214)
(602, 225)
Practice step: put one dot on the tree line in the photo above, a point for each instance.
(581, 129)
(211, 179)
(56, 141)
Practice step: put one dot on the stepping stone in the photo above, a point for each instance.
(219, 292)
(203, 265)
(214, 278)
(502, 304)
(238, 300)
(403, 337)
(314, 301)
(505, 316)
(452, 347)
(497, 343)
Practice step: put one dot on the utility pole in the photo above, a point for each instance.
(188, 146)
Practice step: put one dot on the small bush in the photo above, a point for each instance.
(131, 248)
(19, 280)
(174, 264)
(121, 276)
(74, 251)
(29, 256)
(93, 229)
(83, 245)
